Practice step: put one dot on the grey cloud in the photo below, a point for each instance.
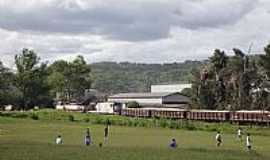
(152, 31)
(212, 14)
(124, 20)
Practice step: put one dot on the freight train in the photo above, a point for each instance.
(204, 115)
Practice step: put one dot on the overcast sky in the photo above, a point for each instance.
(149, 31)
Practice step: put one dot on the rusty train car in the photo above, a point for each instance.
(135, 112)
(169, 113)
(208, 115)
(250, 116)
(204, 115)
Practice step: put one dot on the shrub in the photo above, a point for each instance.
(174, 124)
(98, 120)
(18, 115)
(163, 123)
(34, 116)
(129, 123)
(108, 122)
(133, 104)
(87, 119)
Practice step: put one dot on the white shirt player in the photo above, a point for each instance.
(58, 140)
(218, 137)
(248, 141)
(239, 132)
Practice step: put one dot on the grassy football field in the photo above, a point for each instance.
(26, 139)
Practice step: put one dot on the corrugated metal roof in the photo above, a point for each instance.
(142, 95)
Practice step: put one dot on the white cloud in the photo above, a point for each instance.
(152, 31)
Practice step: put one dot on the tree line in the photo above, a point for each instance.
(233, 82)
(35, 83)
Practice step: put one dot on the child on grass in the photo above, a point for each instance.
(218, 139)
(59, 140)
(248, 142)
(239, 133)
(87, 139)
(106, 134)
(173, 144)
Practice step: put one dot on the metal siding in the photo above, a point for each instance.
(169, 88)
(174, 98)
(138, 100)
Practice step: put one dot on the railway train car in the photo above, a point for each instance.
(169, 113)
(208, 115)
(204, 115)
(136, 112)
(250, 116)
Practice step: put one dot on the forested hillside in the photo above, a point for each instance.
(111, 77)
(241, 81)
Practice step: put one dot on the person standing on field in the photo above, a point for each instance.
(173, 144)
(59, 140)
(248, 142)
(106, 134)
(87, 139)
(239, 133)
(218, 139)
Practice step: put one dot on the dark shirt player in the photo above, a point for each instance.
(173, 143)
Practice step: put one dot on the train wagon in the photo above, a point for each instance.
(208, 115)
(136, 112)
(169, 113)
(250, 116)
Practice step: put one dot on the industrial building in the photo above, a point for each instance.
(161, 99)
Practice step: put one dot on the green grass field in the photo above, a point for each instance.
(26, 139)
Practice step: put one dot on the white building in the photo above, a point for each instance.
(149, 99)
(169, 87)
(70, 107)
(105, 107)
(8, 107)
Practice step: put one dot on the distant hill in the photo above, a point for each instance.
(111, 77)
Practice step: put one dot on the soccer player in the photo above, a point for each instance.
(59, 140)
(106, 134)
(218, 138)
(248, 142)
(173, 144)
(239, 133)
(87, 139)
(100, 145)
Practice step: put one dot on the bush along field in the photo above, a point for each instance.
(31, 136)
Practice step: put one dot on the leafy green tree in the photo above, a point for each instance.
(6, 86)
(237, 64)
(187, 92)
(57, 79)
(219, 61)
(264, 96)
(31, 80)
(70, 79)
(265, 61)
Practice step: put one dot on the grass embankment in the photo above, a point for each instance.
(115, 120)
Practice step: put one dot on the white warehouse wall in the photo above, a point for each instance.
(139, 100)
